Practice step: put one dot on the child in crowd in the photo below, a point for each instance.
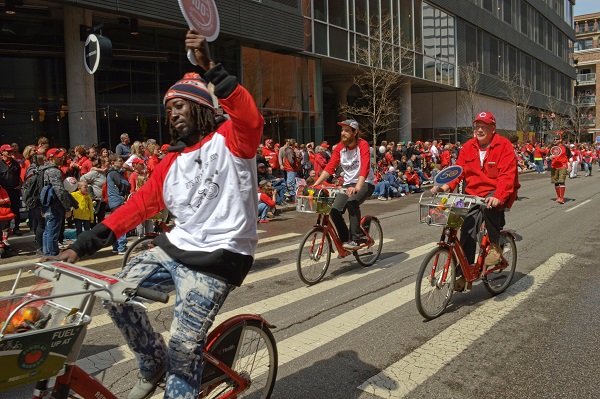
(139, 169)
(6, 218)
(83, 214)
(266, 200)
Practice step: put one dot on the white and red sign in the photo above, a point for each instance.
(202, 16)
(556, 150)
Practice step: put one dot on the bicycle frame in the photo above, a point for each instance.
(471, 272)
(323, 223)
(76, 379)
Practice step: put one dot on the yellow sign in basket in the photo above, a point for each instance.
(310, 204)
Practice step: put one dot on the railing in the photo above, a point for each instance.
(586, 78)
(589, 122)
(587, 100)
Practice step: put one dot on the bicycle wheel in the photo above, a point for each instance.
(139, 245)
(432, 295)
(498, 281)
(253, 355)
(314, 256)
(367, 256)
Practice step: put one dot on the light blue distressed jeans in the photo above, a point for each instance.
(198, 300)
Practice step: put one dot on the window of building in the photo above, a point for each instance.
(494, 56)
(429, 36)
(549, 36)
(507, 11)
(406, 23)
(338, 43)
(541, 31)
(539, 76)
(362, 16)
(320, 8)
(320, 38)
(488, 5)
(338, 14)
(471, 45)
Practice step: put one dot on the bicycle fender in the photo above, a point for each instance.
(509, 233)
(227, 324)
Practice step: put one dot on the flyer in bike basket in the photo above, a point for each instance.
(37, 332)
(446, 209)
(316, 201)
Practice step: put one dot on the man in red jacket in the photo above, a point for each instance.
(490, 169)
(559, 155)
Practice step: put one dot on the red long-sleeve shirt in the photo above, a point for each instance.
(498, 173)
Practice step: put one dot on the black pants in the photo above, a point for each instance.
(38, 225)
(352, 204)
(494, 222)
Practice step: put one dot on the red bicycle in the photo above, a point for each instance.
(436, 277)
(240, 358)
(314, 253)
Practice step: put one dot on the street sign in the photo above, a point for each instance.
(97, 53)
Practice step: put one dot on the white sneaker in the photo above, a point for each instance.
(380, 198)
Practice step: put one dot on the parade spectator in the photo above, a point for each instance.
(96, 179)
(154, 150)
(574, 160)
(271, 156)
(83, 214)
(320, 160)
(123, 148)
(55, 201)
(539, 153)
(291, 165)
(412, 179)
(7, 218)
(445, 156)
(10, 180)
(139, 168)
(138, 151)
(279, 185)
(82, 164)
(43, 145)
(266, 200)
(260, 158)
(118, 189)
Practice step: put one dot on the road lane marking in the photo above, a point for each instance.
(93, 261)
(106, 359)
(402, 377)
(577, 206)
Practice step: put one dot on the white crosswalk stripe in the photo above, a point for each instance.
(397, 380)
(402, 377)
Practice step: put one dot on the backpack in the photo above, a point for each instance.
(32, 188)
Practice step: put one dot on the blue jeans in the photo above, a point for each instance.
(280, 186)
(539, 165)
(383, 188)
(54, 216)
(587, 166)
(291, 183)
(121, 244)
(262, 210)
(198, 299)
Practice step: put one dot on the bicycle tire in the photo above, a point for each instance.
(138, 246)
(430, 291)
(255, 344)
(497, 282)
(369, 255)
(312, 265)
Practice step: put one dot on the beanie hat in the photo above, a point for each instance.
(192, 87)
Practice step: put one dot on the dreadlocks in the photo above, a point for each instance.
(204, 117)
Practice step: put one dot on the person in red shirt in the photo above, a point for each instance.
(139, 167)
(490, 170)
(82, 163)
(154, 159)
(270, 154)
(559, 155)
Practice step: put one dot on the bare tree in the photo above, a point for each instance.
(578, 115)
(557, 117)
(379, 79)
(518, 91)
(468, 97)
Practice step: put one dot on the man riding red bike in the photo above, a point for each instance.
(353, 155)
(490, 171)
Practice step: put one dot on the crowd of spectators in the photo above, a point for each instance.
(105, 179)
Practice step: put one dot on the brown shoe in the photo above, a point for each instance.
(493, 256)
(459, 284)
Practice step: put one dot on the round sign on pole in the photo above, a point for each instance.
(97, 53)
(203, 17)
(448, 174)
